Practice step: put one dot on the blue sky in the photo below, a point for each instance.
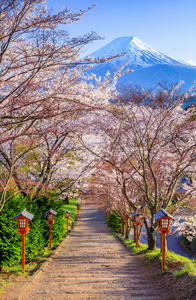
(167, 25)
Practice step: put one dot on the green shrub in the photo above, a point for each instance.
(38, 236)
(114, 221)
(9, 240)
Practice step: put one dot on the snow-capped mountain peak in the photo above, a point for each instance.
(140, 54)
(150, 66)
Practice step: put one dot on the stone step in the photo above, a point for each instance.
(64, 294)
(92, 271)
(86, 280)
(90, 284)
(93, 264)
(76, 276)
(95, 296)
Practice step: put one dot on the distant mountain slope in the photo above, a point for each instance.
(150, 66)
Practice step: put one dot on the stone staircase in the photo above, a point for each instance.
(94, 264)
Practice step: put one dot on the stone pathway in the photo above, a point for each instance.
(93, 264)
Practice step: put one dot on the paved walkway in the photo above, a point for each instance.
(93, 264)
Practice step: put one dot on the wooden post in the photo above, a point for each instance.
(78, 215)
(163, 251)
(137, 244)
(50, 235)
(23, 252)
(67, 226)
(125, 226)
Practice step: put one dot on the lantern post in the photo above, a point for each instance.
(137, 222)
(163, 219)
(125, 228)
(125, 219)
(23, 218)
(78, 209)
(50, 220)
(67, 217)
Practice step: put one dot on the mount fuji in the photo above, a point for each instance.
(150, 66)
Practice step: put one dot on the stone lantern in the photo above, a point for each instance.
(163, 219)
(50, 220)
(137, 222)
(23, 219)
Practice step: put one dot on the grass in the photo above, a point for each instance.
(179, 264)
(14, 272)
(182, 270)
(6, 282)
(3, 282)
(30, 266)
(188, 268)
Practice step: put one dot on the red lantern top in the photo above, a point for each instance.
(137, 219)
(163, 219)
(50, 215)
(78, 206)
(23, 218)
(67, 214)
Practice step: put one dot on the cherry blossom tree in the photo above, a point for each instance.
(41, 78)
(62, 116)
(117, 193)
(156, 137)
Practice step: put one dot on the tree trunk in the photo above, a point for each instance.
(140, 231)
(127, 230)
(66, 200)
(123, 227)
(151, 235)
(134, 233)
(151, 239)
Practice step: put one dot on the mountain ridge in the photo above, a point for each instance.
(150, 66)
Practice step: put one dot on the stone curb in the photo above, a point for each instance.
(40, 270)
(127, 246)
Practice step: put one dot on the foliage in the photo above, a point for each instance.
(41, 113)
(38, 236)
(146, 153)
(181, 265)
(187, 228)
(72, 208)
(186, 242)
(9, 240)
(114, 221)
(132, 245)
(188, 268)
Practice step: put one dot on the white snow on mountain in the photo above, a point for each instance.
(140, 55)
(150, 66)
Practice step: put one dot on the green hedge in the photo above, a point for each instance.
(114, 222)
(38, 236)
